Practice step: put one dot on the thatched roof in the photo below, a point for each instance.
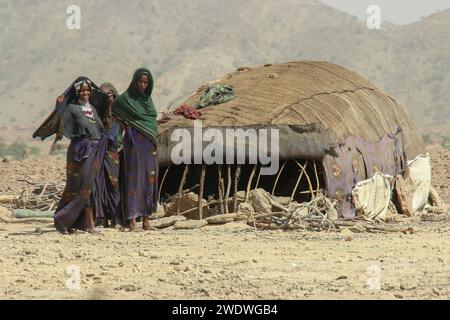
(316, 106)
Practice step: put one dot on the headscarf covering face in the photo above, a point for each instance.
(136, 108)
(133, 89)
(110, 87)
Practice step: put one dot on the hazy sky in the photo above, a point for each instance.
(396, 11)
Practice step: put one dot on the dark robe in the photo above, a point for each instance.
(139, 179)
(85, 158)
(140, 175)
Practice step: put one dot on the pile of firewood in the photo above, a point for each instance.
(317, 215)
(39, 196)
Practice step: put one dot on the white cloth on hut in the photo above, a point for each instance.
(420, 174)
(371, 197)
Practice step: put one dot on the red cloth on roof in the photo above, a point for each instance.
(188, 112)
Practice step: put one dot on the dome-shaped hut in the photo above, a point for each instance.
(332, 123)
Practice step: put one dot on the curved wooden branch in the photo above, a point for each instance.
(200, 194)
(249, 184)
(180, 188)
(297, 184)
(259, 177)
(162, 183)
(220, 187)
(237, 175)
(278, 177)
(227, 194)
(317, 178)
(308, 178)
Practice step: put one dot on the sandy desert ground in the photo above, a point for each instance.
(222, 262)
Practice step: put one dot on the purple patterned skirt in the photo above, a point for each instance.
(109, 185)
(140, 175)
(84, 160)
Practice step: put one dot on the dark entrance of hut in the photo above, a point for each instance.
(296, 180)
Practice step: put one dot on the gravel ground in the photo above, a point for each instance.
(222, 262)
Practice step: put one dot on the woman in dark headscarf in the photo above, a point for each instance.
(111, 166)
(77, 118)
(136, 110)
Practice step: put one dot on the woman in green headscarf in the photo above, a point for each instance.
(135, 109)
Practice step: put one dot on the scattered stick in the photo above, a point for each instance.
(227, 194)
(180, 188)
(185, 191)
(200, 194)
(26, 220)
(317, 178)
(221, 188)
(313, 216)
(236, 183)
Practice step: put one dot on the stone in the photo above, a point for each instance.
(260, 201)
(166, 222)
(273, 76)
(190, 224)
(160, 213)
(187, 201)
(128, 288)
(221, 218)
(435, 210)
(392, 215)
(5, 214)
(244, 211)
(7, 159)
(435, 199)
(176, 262)
(284, 201)
(357, 229)
(346, 232)
(332, 214)
(403, 192)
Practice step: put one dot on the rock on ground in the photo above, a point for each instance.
(190, 224)
(187, 201)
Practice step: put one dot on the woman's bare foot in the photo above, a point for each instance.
(90, 220)
(94, 231)
(133, 225)
(146, 224)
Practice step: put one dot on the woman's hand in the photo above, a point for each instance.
(120, 122)
(60, 99)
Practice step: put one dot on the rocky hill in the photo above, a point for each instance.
(186, 43)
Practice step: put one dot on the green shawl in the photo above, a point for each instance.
(136, 109)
